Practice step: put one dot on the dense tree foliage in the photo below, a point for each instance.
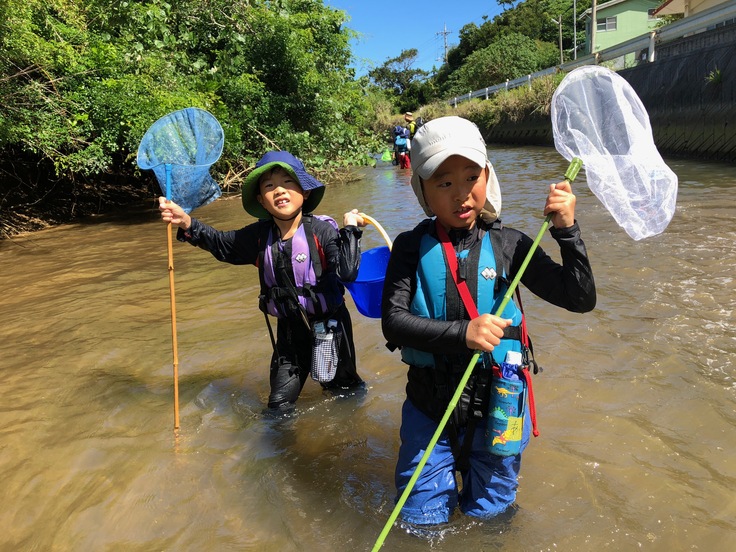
(511, 56)
(397, 73)
(408, 86)
(522, 39)
(82, 80)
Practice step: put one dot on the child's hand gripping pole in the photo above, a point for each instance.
(174, 345)
(570, 174)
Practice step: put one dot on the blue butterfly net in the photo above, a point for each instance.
(180, 148)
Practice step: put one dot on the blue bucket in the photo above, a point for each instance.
(367, 288)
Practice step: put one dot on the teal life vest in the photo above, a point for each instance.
(430, 299)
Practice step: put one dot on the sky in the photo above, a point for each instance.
(389, 26)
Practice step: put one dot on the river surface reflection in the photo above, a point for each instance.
(636, 404)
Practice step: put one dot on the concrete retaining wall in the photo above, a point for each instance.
(689, 93)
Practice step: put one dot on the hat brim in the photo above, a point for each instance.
(492, 208)
(433, 163)
(250, 189)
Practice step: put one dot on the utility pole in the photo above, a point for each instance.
(444, 34)
(594, 25)
(558, 22)
(574, 29)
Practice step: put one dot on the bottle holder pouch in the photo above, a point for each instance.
(327, 336)
(506, 408)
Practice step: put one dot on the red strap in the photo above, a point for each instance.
(527, 373)
(467, 299)
(532, 405)
(462, 287)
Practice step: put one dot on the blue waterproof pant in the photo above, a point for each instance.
(489, 486)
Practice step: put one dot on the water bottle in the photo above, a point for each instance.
(324, 352)
(510, 366)
(504, 427)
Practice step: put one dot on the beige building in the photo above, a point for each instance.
(686, 7)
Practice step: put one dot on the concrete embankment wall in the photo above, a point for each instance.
(689, 93)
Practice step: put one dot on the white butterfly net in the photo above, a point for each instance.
(598, 117)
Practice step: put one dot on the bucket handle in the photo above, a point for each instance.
(374, 222)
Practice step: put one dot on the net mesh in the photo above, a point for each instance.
(189, 141)
(598, 117)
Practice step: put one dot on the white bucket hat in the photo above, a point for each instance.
(441, 138)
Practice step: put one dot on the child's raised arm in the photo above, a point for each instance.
(171, 212)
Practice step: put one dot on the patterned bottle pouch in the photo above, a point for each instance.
(506, 408)
(325, 351)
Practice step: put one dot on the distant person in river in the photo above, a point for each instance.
(445, 280)
(410, 123)
(301, 259)
(401, 147)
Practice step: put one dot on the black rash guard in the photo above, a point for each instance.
(292, 356)
(569, 285)
(241, 247)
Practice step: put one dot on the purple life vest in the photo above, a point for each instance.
(303, 268)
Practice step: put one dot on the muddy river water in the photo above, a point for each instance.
(636, 405)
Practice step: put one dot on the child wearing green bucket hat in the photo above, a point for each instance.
(444, 281)
(302, 259)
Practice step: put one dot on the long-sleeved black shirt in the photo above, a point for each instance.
(569, 285)
(240, 247)
(246, 246)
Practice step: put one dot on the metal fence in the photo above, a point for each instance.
(641, 49)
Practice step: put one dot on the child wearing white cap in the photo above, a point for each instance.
(444, 280)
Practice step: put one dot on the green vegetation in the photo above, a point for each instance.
(82, 80)
(507, 106)
(521, 40)
(714, 77)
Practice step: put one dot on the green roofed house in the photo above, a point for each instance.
(618, 21)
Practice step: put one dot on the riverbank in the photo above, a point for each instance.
(28, 208)
(688, 93)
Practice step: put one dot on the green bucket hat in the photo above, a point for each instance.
(295, 168)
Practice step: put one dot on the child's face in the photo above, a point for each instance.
(456, 192)
(280, 194)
